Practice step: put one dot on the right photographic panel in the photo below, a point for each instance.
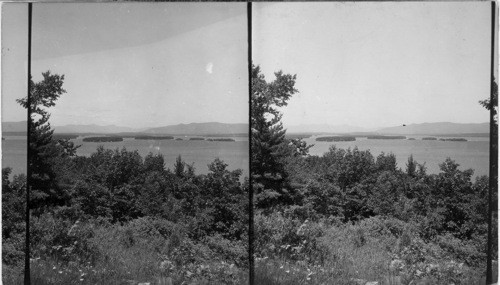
(370, 144)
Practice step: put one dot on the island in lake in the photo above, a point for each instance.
(103, 139)
(454, 140)
(377, 137)
(64, 136)
(154, 137)
(336, 139)
(221, 140)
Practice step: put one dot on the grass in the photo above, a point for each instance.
(387, 251)
(140, 251)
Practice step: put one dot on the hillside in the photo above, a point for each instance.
(108, 129)
(14, 127)
(323, 128)
(437, 129)
(200, 129)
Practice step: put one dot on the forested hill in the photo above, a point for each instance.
(212, 128)
(14, 126)
(437, 128)
(200, 129)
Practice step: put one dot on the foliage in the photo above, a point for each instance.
(130, 218)
(268, 141)
(14, 217)
(348, 217)
(43, 149)
(116, 217)
(492, 103)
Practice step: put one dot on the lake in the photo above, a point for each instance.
(14, 153)
(473, 153)
(201, 153)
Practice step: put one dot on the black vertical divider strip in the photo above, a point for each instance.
(493, 186)
(250, 186)
(27, 280)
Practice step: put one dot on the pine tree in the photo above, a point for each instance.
(269, 145)
(43, 149)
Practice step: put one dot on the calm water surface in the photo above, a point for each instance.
(14, 153)
(201, 153)
(471, 154)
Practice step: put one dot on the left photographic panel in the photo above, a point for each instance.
(138, 157)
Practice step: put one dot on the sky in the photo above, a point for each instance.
(138, 65)
(377, 65)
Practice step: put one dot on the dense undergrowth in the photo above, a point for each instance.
(125, 220)
(354, 219)
(348, 217)
(116, 217)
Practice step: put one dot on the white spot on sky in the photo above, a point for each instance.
(209, 67)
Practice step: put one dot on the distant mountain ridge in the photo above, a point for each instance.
(210, 128)
(15, 127)
(437, 129)
(93, 128)
(214, 128)
(323, 128)
(200, 129)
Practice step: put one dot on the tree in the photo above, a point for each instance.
(179, 167)
(13, 217)
(154, 162)
(268, 143)
(42, 148)
(492, 104)
(411, 166)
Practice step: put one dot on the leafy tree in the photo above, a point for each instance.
(92, 199)
(348, 167)
(386, 162)
(223, 197)
(13, 217)
(452, 190)
(154, 162)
